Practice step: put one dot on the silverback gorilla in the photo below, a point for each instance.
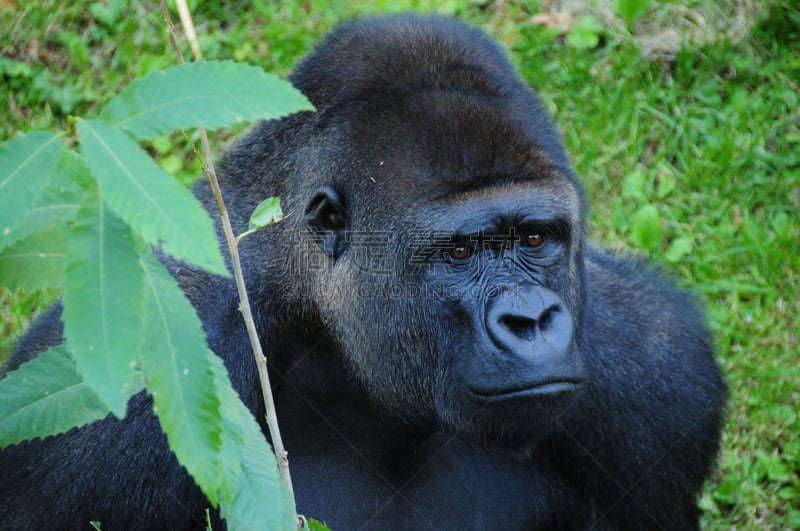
(447, 350)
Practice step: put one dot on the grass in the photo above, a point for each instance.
(690, 114)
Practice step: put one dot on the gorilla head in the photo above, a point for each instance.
(448, 227)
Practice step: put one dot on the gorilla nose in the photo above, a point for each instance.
(530, 321)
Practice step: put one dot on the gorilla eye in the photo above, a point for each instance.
(461, 252)
(534, 240)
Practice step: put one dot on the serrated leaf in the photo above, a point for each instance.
(44, 397)
(102, 309)
(25, 165)
(156, 206)
(57, 204)
(202, 94)
(178, 371)
(646, 228)
(73, 167)
(37, 261)
(267, 212)
(259, 499)
(678, 249)
(232, 438)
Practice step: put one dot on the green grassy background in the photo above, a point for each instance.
(684, 126)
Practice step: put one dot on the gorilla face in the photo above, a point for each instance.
(510, 352)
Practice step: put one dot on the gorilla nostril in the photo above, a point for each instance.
(521, 326)
(546, 319)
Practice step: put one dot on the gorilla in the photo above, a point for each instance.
(446, 350)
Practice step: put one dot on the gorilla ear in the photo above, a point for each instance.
(326, 219)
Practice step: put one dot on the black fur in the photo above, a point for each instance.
(446, 351)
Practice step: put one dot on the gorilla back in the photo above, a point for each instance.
(447, 351)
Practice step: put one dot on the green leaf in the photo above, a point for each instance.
(585, 35)
(156, 206)
(102, 310)
(630, 10)
(177, 367)
(58, 203)
(73, 167)
(313, 525)
(25, 164)
(203, 94)
(45, 396)
(646, 228)
(773, 467)
(678, 249)
(259, 498)
(37, 251)
(266, 213)
(38, 261)
(729, 489)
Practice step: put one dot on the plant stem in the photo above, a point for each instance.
(233, 248)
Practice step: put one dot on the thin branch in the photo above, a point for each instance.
(261, 360)
(188, 28)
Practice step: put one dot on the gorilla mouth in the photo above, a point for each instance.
(548, 389)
